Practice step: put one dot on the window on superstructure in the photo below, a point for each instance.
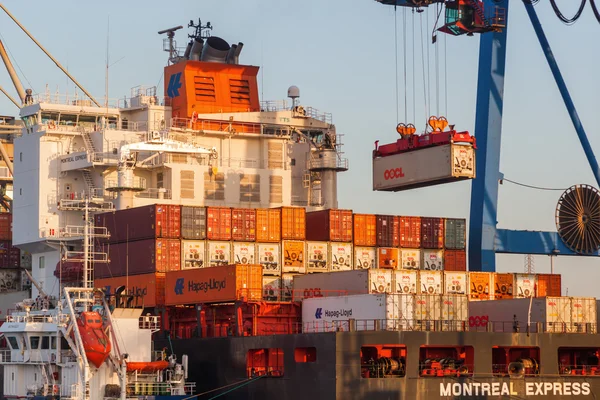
(214, 186)
(42, 262)
(249, 188)
(68, 120)
(240, 91)
(264, 362)
(275, 155)
(160, 180)
(187, 184)
(204, 88)
(275, 189)
(34, 342)
(179, 158)
(45, 342)
(53, 342)
(14, 344)
(88, 121)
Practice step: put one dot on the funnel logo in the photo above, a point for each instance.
(179, 285)
(174, 85)
(319, 313)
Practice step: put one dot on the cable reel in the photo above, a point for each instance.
(578, 219)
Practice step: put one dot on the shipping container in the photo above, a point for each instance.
(268, 225)
(193, 223)
(365, 257)
(525, 285)
(294, 260)
(193, 253)
(456, 234)
(410, 232)
(10, 257)
(365, 227)
(317, 254)
(271, 288)
(243, 224)
(428, 310)
(149, 289)
(219, 253)
(549, 285)
(406, 282)
(25, 281)
(218, 223)
(432, 233)
(410, 259)
(287, 286)
(140, 257)
(456, 282)
(454, 312)
(214, 285)
(25, 259)
(293, 223)
(455, 260)
(331, 225)
(341, 256)
(387, 231)
(583, 315)
(244, 253)
(344, 283)
(503, 286)
(388, 257)
(140, 223)
(431, 282)
(5, 226)
(480, 286)
(433, 260)
(10, 280)
(269, 257)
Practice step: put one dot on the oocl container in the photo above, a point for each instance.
(343, 282)
(268, 225)
(406, 282)
(243, 224)
(388, 257)
(433, 260)
(427, 311)
(364, 257)
(410, 259)
(218, 223)
(431, 282)
(219, 253)
(193, 254)
(455, 260)
(294, 260)
(317, 254)
(503, 286)
(549, 285)
(293, 223)
(410, 232)
(139, 223)
(271, 288)
(193, 222)
(454, 312)
(270, 258)
(432, 233)
(387, 230)
(341, 256)
(331, 225)
(244, 253)
(213, 285)
(525, 285)
(365, 227)
(10, 280)
(150, 288)
(480, 286)
(456, 282)
(456, 234)
(287, 286)
(583, 315)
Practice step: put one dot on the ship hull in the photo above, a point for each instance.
(336, 373)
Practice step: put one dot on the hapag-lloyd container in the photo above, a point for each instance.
(218, 223)
(294, 260)
(365, 228)
(387, 230)
(341, 256)
(410, 232)
(317, 254)
(583, 315)
(243, 224)
(525, 285)
(406, 282)
(139, 223)
(503, 286)
(549, 285)
(193, 223)
(287, 286)
(213, 285)
(433, 260)
(454, 312)
(268, 225)
(432, 233)
(269, 256)
(244, 253)
(331, 225)
(455, 260)
(150, 288)
(456, 283)
(410, 259)
(219, 253)
(365, 257)
(193, 253)
(344, 282)
(480, 286)
(388, 257)
(456, 234)
(431, 282)
(293, 223)
(271, 288)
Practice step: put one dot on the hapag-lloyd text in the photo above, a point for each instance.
(507, 389)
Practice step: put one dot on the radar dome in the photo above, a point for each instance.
(293, 92)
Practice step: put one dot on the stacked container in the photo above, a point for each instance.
(269, 251)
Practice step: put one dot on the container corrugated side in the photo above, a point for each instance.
(219, 253)
(365, 257)
(193, 254)
(344, 282)
(150, 288)
(455, 234)
(431, 282)
(271, 288)
(293, 255)
(583, 315)
(432, 233)
(525, 285)
(5, 226)
(503, 286)
(287, 286)
(365, 227)
(269, 256)
(243, 224)
(406, 282)
(268, 225)
(10, 257)
(317, 257)
(549, 285)
(193, 223)
(341, 256)
(333, 225)
(293, 223)
(410, 259)
(410, 232)
(480, 286)
(388, 257)
(387, 231)
(455, 260)
(330, 314)
(432, 260)
(454, 312)
(428, 310)
(140, 223)
(244, 253)
(456, 282)
(218, 223)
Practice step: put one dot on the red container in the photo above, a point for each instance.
(10, 257)
(150, 287)
(410, 232)
(139, 223)
(329, 226)
(293, 223)
(455, 260)
(140, 257)
(549, 285)
(365, 226)
(268, 225)
(218, 223)
(5, 226)
(432, 233)
(243, 224)
(387, 231)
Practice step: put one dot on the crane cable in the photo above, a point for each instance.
(396, 69)
(560, 15)
(404, 62)
(595, 9)
(531, 186)
(15, 61)
(414, 101)
(423, 63)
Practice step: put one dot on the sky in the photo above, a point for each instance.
(341, 54)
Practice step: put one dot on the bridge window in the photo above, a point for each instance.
(34, 342)
(42, 262)
(305, 354)
(14, 344)
(45, 342)
(160, 180)
(187, 184)
(515, 361)
(214, 186)
(265, 362)
(383, 361)
(53, 342)
(249, 188)
(276, 189)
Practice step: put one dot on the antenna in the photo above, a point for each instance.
(202, 31)
(170, 35)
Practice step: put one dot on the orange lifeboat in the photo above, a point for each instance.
(95, 341)
(147, 367)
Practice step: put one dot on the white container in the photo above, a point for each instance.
(406, 282)
(287, 286)
(193, 254)
(10, 280)
(433, 260)
(317, 254)
(344, 283)
(427, 311)
(456, 282)
(365, 257)
(219, 253)
(431, 282)
(525, 284)
(454, 312)
(269, 257)
(244, 253)
(583, 315)
(410, 259)
(25, 281)
(341, 256)
(271, 288)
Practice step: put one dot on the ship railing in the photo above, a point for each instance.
(234, 162)
(142, 388)
(154, 193)
(274, 105)
(502, 370)
(151, 322)
(200, 159)
(534, 327)
(226, 127)
(436, 369)
(319, 115)
(275, 294)
(52, 319)
(5, 356)
(77, 231)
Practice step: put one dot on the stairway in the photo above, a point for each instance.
(89, 145)
(93, 191)
(479, 11)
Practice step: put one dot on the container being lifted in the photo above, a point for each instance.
(432, 158)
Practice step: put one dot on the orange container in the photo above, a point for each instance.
(388, 257)
(293, 223)
(268, 225)
(549, 285)
(214, 285)
(5, 226)
(480, 284)
(503, 286)
(365, 230)
(293, 257)
(149, 287)
(218, 223)
(455, 260)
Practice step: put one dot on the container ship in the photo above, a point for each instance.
(216, 215)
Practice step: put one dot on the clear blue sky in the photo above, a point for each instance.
(341, 56)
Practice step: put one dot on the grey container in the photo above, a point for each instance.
(193, 223)
(456, 233)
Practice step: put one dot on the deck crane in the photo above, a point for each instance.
(578, 210)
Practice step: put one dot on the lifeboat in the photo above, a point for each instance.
(95, 341)
(147, 367)
(69, 271)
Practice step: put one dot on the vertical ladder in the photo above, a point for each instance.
(93, 191)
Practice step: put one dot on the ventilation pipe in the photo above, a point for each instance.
(231, 54)
(196, 49)
(238, 50)
(215, 50)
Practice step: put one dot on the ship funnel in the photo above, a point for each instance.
(196, 49)
(215, 50)
(238, 50)
(231, 54)
(188, 50)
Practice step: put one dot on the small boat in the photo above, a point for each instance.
(95, 341)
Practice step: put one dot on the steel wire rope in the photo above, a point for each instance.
(531, 186)
(423, 69)
(595, 9)
(17, 63)
(560, 15)
(445, 78)
(245, 381)
(428, 70)
(404, 62)
(414, 100)
(437, 62)
(396, 69)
